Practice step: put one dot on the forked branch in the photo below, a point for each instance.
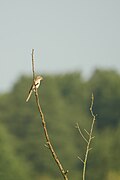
(88, 141)
(48, 142)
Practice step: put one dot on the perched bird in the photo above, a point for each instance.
(37, 84)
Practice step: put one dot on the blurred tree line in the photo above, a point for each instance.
(65, 100)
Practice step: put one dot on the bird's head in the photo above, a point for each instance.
(39, 78)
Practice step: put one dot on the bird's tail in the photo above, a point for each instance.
(29, 95)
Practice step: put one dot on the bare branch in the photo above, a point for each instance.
(78, 127)
(80, 159)
(49, 144)
(89, 140)
(86, 132)
(46, 145)
(33, 68)
(90, 149)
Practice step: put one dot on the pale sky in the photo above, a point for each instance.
(67, 35)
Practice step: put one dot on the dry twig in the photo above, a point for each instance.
(90, 137)
(48, 142)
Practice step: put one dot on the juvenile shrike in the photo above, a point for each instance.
(37, 84)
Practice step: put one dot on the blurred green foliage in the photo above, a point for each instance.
(11, 166)
(65, 100)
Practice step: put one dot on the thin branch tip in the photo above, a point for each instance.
(86, 132)
(82, 135)
(66, 172)
(81, 159)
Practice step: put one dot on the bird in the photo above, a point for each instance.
(34, 86)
